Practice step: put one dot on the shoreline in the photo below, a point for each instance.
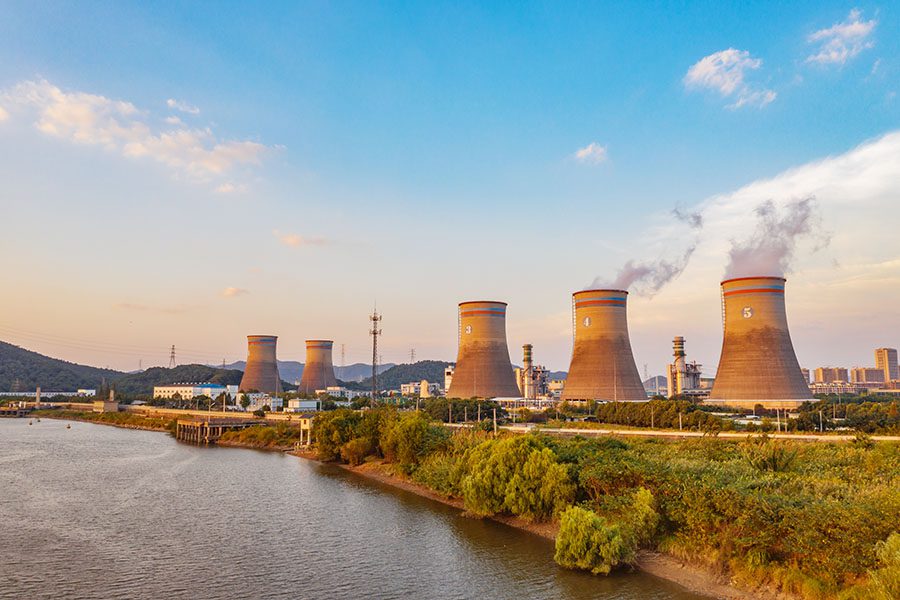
(694, 578)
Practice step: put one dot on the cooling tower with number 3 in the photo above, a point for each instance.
(758, 364)
(602, 366)
(483, 369)
(261, 372)
(318, 372)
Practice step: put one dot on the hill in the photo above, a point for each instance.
(141, 384)
(25, 370)
(291, 370)
(432, 370)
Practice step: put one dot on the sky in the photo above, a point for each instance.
(188, 174)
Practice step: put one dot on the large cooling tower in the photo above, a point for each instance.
(318, 372)
(602, 365)
(758, 364)
(261, 372)
(483, 369)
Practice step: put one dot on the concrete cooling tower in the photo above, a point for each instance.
(261, 372)
(602, 366)
(758, 364)
(483, 369)
(318, 372)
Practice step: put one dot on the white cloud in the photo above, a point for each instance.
(231, 292)
(593, 153)
(231, 188)
(842, 41)
(182, 106)
(121, 127)
(845, 292)
(173, 120)
(3, 114)
(724, 72)
(295, 240)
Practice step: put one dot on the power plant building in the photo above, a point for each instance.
(483, 369)
(758, 364)
(682, 376)
(318, 372)
(261, 372)
(602, 366)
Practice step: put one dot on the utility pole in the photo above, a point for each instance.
(172, 357)
(375, 318)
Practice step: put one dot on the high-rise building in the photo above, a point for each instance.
(831, 375)
(886, 360)
(866, 375)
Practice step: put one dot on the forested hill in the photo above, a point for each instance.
(23, 370)
(432, 370)
(141, 384)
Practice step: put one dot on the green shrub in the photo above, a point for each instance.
(765, 455)
(884, 582)
(356, 450)
(588, 542)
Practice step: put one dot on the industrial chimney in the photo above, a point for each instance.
(602, 366)
(758, 364)
(318, 372)
(483, 369)
(261, 372)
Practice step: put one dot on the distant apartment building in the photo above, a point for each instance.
(341, 392)
(866, 375)
(415, 389)
(259, 400)
(831, 375)
(886, 360)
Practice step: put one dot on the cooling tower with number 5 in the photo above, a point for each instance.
(483, 369)
(318, 372)
(602, 366)
(758, 364)
(261, 372)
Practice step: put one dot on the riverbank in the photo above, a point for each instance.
(121, 420)
(694, 578)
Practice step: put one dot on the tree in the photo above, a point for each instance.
(245, 401)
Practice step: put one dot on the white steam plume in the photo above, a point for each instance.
(770, 250)
(646, 278)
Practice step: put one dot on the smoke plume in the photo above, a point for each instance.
(770, 249)
(646, 278)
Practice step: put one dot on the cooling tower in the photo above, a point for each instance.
(261, 372)
(758, 364)
(602, 366)
(318, 372)
(483, 369)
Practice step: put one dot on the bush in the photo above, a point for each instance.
(355, 451)
(586, 541)
(884, 582)
(765, 455)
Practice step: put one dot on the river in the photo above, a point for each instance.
(101, 512)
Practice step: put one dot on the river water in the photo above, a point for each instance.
(100, 512)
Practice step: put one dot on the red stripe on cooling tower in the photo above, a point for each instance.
(599, 303)
(484, 313)
(755, 291)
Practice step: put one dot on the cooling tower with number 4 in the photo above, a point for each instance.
(261, 372)
(483, 369)
(318, 372)
(758, 364)
(602, 366)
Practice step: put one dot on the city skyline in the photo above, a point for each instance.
(236, 173)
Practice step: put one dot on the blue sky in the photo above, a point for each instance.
(325, 155)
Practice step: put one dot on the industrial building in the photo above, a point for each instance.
(533, 380)
(189, 391)
(318, 372)
(682, 377)
(261, 372)
(483, 369)
(602, 366)
(758, 364)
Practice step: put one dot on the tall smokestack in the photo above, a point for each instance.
(602, 366)
(318, 372)
(483, 369)
(758, 364)
(261, 372)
